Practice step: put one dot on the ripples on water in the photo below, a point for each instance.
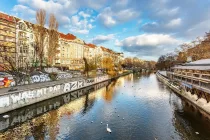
(148, 107)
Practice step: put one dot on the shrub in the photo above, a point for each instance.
(53, 76)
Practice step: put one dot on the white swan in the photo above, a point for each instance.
(108, 129)
(6, 116)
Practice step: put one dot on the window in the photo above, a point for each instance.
(21, 26)
(25, 49)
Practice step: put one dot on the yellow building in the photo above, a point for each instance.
(90, 51)
(70, 52)
(7, 37)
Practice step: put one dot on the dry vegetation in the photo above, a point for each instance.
(196, 50)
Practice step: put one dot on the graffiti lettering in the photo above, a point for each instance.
(40, 78)
(64, 76)
(29, 95)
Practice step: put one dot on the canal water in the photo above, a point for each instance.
(136, 107)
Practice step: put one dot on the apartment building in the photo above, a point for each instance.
(17, 42)
(7, 38)
(24, 42)
(71, 51)
(90, 51)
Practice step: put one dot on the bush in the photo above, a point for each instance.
(112, 73)
(53, 76)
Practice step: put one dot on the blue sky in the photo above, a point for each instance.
(142, 28)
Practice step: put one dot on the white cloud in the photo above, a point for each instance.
(126, 15)
(110, 17)
(174, 23)
(103, 38)
(23, 12)
(148, 44)
(151, 40)
(83, 14)
(106, 17)
(20, 8)
(168, 12)
(199, 29)
(80, 23)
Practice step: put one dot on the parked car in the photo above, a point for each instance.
(6, 80)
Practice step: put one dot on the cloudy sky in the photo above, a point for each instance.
(142, 28)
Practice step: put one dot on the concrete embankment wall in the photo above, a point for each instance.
(12, 100)
(30, 94)
(201, 104)
(23, 114)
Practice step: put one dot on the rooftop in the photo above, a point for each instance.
(203, 64)
(67, 36)
(91, 45)
(7, 17)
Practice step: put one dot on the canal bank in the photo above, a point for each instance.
(31, 94)
(199, 104)
(149, 108)
(21, 115)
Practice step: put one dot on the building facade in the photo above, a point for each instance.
(17, 42)
(90, 51)
(24, 42)
(7, 38)
(70, 52)
(194, 77)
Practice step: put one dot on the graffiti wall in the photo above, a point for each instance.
(63, 76)
(29, 112)
(40, 78)
(23, 98)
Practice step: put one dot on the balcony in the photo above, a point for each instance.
(9, 34)
(192, 76)
(205, 88)
(205, 76)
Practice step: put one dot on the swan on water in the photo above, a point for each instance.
(197, 133)
(6, 116)
(108, 129)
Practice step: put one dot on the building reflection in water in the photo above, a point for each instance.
(186, 118)
(27, 123)
(152, 107)
(24, 126)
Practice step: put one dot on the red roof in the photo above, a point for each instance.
(67, 36)
(106, 49)
(92, 45)
(7, 17)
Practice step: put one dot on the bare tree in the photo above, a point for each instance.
(40, 34)
(86, 70)
(53, 39)
(20, 74)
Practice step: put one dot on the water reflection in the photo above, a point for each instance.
(148, 107)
